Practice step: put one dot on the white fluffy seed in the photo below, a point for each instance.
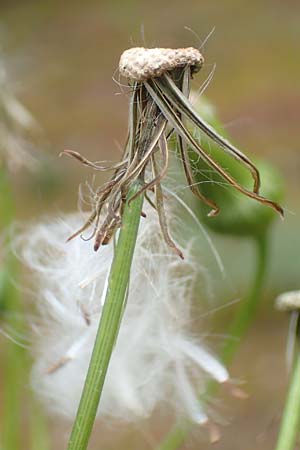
(157, 361)
(139, 63)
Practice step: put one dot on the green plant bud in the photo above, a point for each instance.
(239, 215)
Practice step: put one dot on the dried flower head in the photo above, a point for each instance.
(290, 302)
(139, 64)
(157, 359)
(159, 81)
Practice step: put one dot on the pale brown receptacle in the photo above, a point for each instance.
(288, 301)
(139, 63)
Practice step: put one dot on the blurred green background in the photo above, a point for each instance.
(61, 57)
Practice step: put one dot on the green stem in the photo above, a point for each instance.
(289, 428)
(109, 323)
(178, 434)
(17, 361)
(14, 376)
(248, 307)
(10, 308)
(39, 427)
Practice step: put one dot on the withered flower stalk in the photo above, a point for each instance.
(159, 81)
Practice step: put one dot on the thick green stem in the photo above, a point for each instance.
(178, 434)
(109, 323)
(289, 429)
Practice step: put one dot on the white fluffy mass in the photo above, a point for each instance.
(156, 362)
(17, 127)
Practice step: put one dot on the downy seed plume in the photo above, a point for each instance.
(17, 126)
(157, 360)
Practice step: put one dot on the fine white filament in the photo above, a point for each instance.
(157, 360)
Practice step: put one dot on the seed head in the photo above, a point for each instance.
(139, 63)
(159, 80)
(288, 301)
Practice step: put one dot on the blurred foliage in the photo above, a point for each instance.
(61, 57)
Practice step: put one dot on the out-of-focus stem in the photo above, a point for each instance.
(289, 429)
(10, 310)
(248, 307)
(40, 439)
(16, 365)
(178, 434)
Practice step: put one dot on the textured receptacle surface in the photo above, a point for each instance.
(288, 301)
(139, 63)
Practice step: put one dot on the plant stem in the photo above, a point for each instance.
(289, 429)
(13, 403)
(248, 307)
(39, 428)
(10, 310)
(109, 322)
(17, 362)
(178, 434)
(15, 373)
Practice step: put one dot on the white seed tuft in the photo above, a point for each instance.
(139, 63)
(17, 128)
(157, 359)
